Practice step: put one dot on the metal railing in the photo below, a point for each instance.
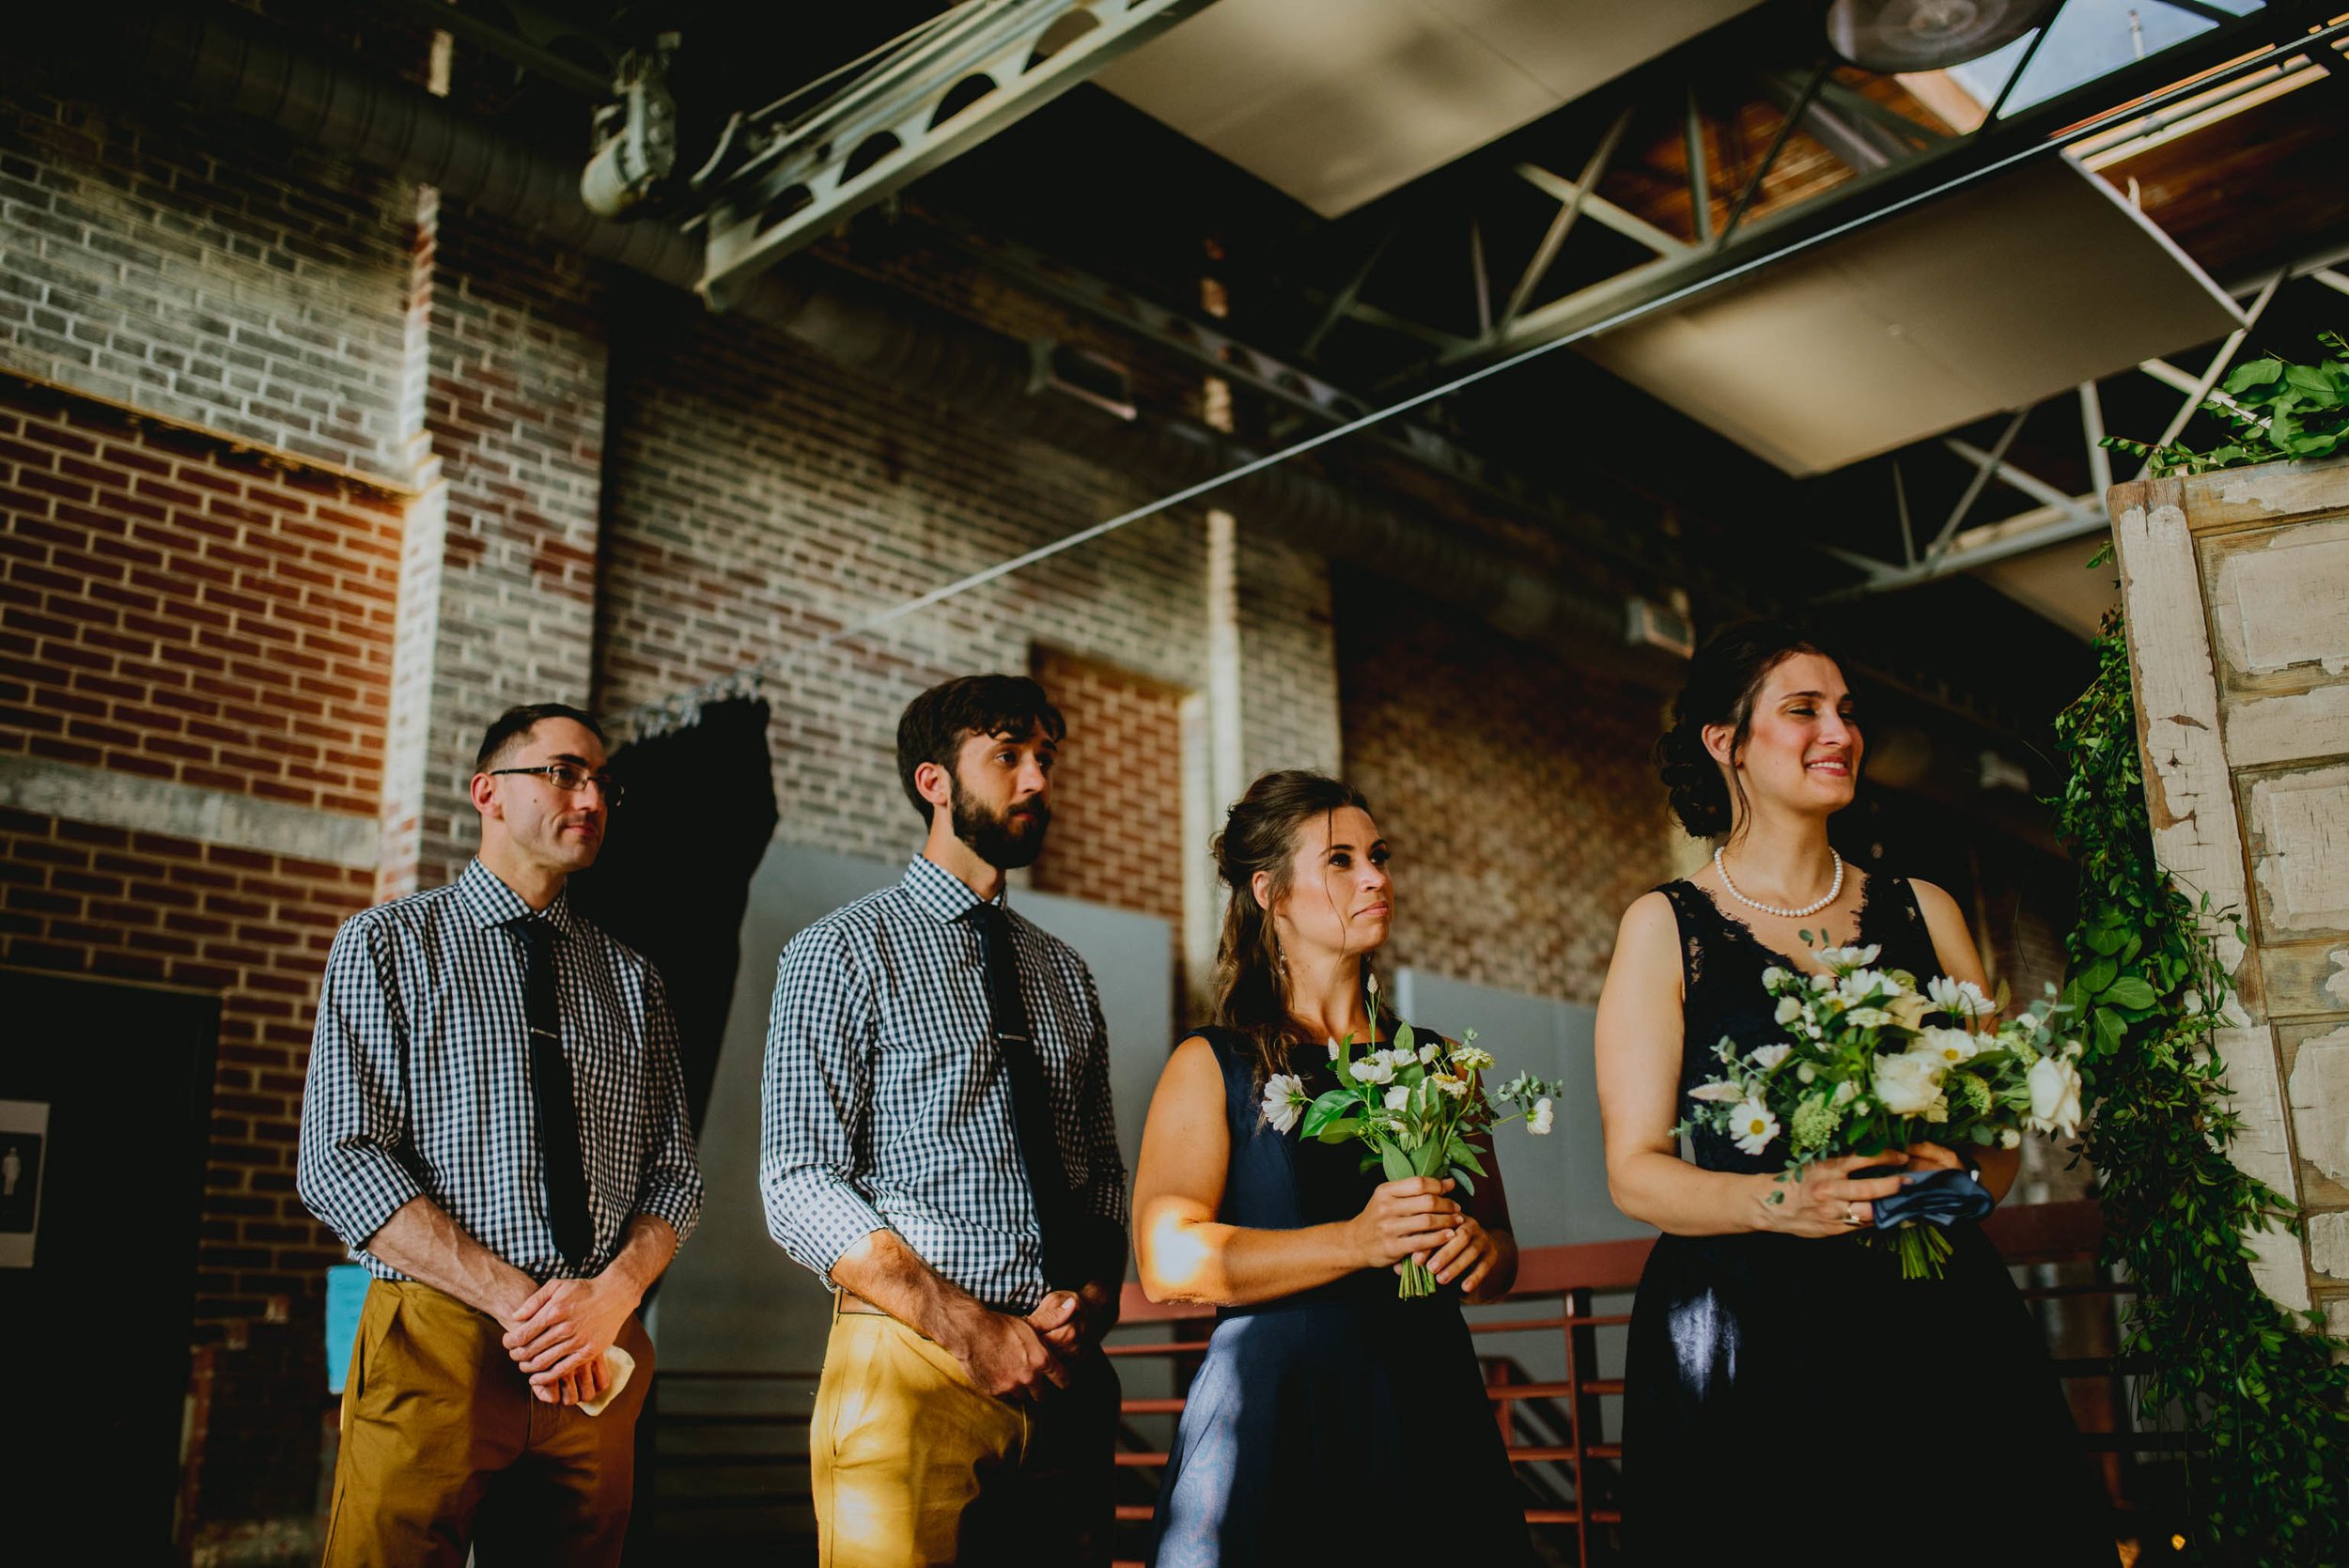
(733, 1453)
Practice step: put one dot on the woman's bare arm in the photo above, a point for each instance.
(1185, 1254)
(1640, 1030)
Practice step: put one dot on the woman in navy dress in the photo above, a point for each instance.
(1768, 1352)
(1319, 1381)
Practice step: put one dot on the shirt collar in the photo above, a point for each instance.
(941, 895)
(491, 902)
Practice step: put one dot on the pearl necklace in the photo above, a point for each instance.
(1833, 888)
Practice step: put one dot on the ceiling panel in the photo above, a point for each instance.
(2006, 293)
(1339, 101)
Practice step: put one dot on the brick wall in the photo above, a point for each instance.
(253, 928)
(172, 609)
(1117, 790)
(763, 498)
(1516, 789)
(229, 278)
(514, 409)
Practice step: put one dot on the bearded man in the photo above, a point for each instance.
(937, 1144)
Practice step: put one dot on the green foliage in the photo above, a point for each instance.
(2276, 409)
(2258, 1386)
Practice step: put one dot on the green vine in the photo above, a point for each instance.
(2264, 1404)
(2275, 409)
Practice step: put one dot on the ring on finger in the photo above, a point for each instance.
(1851, 1215)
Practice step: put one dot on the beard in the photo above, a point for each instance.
(1007, 841)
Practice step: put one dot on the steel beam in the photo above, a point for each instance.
(1778, 145)
(1559, 227)
(1629, 225)
(782, 182)
(2199, 392)
(2042, 526)
(2037, 129)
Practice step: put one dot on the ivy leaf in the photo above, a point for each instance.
(2128, 991)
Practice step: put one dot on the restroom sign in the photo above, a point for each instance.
(23, 1136)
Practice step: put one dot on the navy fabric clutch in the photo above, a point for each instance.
(1930, 1198)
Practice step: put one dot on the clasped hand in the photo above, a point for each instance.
(1828, 1202)
(558, 1336)
(1023, 1358)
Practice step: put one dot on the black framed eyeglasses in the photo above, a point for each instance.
(571, 779)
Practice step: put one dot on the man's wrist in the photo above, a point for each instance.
(959, 1319)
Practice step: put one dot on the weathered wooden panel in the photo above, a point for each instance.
(2235, 587)
(2297, 726)
(2264, 496)
(2329, 1243)
(2262, 1149)
(2276, 598)
(2319, 1097)
(2305, 979)
(2299, 849)
(2188, 795)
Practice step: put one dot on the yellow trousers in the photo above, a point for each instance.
(445, 1448)
(914, 1466)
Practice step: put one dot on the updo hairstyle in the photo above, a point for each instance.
(1260, 834)
(1724, 677)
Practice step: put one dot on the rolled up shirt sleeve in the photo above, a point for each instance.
(672, 1188)
(814, 1102)
(347, 1170)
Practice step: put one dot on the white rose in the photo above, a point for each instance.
(1429, 1053)
(1773, 977)
(1959, 999)
(1805, 1072)
(1719, 1092)
(1375, 1068)
(1752, 1126)
(1788, 1010)
(1823, 983)
(2010, 1138)
(2055, 1096)
(1397, 1097)
(1767, 1057)
(1283, 1100)
(1845, 1091)
(1948, 1047)
(1908, 1085)
(1537, 1120)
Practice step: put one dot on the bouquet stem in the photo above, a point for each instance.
(1417, 1280)
(1924, 1249)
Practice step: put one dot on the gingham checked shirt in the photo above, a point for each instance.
(885, 1104)
(420, 1078)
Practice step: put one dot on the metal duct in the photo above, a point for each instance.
(215, 62)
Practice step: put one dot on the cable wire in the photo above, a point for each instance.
(679, 708)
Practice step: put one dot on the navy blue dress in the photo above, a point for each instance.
(1345, 1387)
(1866, 1408)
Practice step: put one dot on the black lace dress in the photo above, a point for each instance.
(1788, 1398)
(1342, 1422)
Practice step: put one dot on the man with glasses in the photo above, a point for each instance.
(496, 1124)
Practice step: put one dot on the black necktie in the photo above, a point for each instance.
(1031, 1101)
(558, 1111)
